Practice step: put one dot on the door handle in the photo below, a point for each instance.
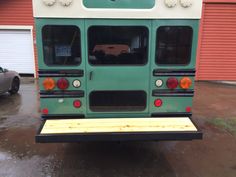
(90, 75)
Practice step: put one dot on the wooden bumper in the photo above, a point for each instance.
(117, 125)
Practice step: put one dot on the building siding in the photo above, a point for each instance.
(217, 43)
(17, 12)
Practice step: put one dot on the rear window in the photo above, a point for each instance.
(61, 45)
(117, 45)
(174, 45)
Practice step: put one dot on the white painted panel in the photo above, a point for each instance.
(160, 11)
(16, 51)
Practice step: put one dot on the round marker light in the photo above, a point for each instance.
(49, 2)
(45, 111)
(49, 84)
(186, 3)
(188, 109)
(171, 3)
(77, 104)
(66, 2)
(172, 83)
(159, 83)
(158, 103)
(63, 84)
(76, 83)
(185, 83)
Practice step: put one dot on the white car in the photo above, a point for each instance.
(9, 81)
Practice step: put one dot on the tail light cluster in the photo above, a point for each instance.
(62, 83)
(184, 83)
(172, 83)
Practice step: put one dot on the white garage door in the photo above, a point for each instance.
(16, 51)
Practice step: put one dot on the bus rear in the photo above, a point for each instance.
(116, 70)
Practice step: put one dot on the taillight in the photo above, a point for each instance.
(185, 83)
(49, 84)
(45, 111)
(172, 83)
(63, 84)
(158, 103)
(77, 104)
(188, 109)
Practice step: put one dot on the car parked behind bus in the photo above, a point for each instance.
(9, 81)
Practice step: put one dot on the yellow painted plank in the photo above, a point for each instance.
(117, 125)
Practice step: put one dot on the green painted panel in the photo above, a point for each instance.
(171, 104)
(118, 77)
(123, 4)
(115, 77)
(66, 107)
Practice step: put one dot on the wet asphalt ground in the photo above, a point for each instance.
(214, 156)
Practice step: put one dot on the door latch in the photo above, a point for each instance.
(90, 75)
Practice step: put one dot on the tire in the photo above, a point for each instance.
(15, 86)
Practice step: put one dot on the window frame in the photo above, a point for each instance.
(190, 49)
(120, 65)
(56, 25)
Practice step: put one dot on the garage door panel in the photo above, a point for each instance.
(217, 57)
(16, 52)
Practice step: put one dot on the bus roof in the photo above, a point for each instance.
(122, 9)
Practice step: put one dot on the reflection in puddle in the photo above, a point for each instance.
(4, 156)
(19, 110)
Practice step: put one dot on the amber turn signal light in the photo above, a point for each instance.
(49, 84)
(185, 83)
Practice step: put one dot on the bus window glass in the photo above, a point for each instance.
(118, 45)
(174, 44)
(61, 45)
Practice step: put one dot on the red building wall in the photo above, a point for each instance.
(216, 58)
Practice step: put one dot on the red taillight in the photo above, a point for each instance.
(77, 104)
(172, 83)
(45, 111)
(63, 84)
(188, 109)
(158, 103)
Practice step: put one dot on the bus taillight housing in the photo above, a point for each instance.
(49, 84)
(172, 83)
(185, 83)
(63, 84)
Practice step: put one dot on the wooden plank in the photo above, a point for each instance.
(117, 125)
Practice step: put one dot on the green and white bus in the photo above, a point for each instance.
(116, 70)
